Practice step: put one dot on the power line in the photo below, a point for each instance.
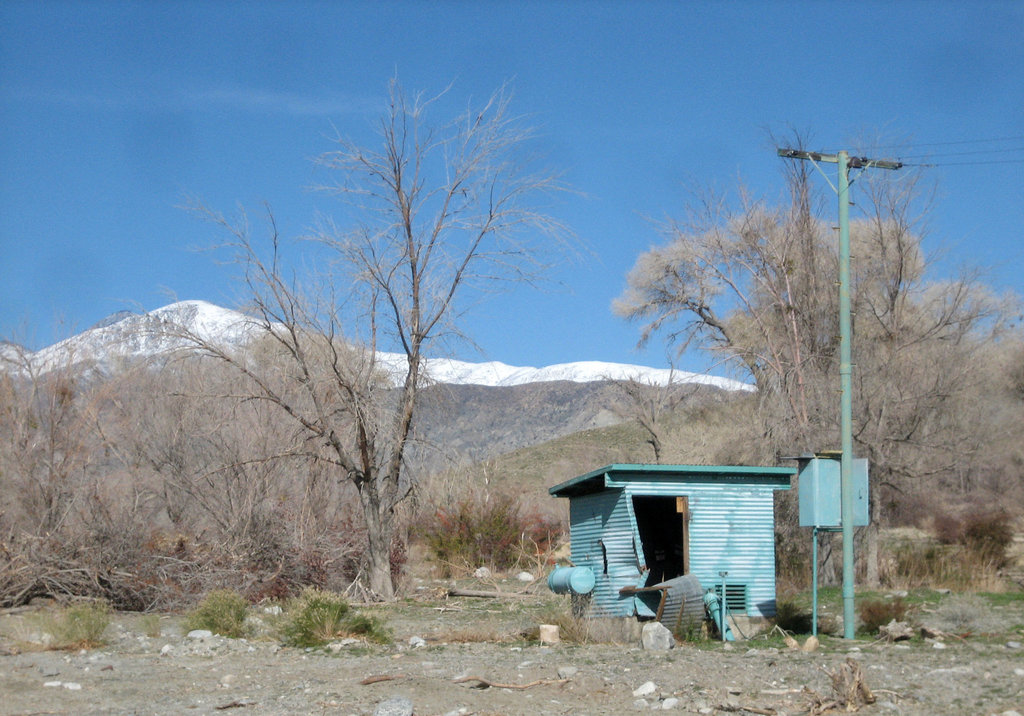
(963, 164)
(949, 144)
(961, 154)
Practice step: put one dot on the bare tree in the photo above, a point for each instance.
(754, 285)
(650, 405)
(442, 213)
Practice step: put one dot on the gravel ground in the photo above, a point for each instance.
(177, 674)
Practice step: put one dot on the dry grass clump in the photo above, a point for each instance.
(964, 614)
(875, 613)
(79, 626)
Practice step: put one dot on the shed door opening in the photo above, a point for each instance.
(664, 525)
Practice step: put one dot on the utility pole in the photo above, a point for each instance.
(845, 162)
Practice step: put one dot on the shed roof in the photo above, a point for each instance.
(613, 476)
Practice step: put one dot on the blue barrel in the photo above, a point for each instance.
(574, 580)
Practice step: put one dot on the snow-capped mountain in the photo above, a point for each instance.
(130, 336)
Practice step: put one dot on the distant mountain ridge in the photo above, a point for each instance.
(135, 336)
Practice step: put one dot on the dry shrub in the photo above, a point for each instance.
(489, 530)
(965, 614)
(792, 617)
(876, 613)
(948, 528)
(987, 535)
(850, 691)
(910, 564)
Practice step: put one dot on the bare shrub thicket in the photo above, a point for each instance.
(152, 487)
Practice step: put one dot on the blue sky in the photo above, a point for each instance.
(113, 114)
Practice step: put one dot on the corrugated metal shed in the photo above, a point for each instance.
(640, 525)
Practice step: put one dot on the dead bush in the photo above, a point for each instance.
(987, 535)
(488, 530)
(875, 613)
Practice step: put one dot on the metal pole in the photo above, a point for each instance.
(814, 584)
(846, 403)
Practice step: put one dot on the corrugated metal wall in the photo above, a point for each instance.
(731, 529)
(601, 533)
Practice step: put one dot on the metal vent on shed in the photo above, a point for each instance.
(735, 596)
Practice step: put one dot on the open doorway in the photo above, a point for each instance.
(664, 527)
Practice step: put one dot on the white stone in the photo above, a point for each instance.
(415, 642)
(524, 577)
(670, 703)
(199, 634)
(166, 649)
(72, 686)
(655, 636)
(567, 672)
(482, 573)
(939, 645)
(648, 688)
(549, 634)
(641, 705)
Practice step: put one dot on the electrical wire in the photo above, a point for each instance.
(961, 154)
(906, 145)
(964, 164)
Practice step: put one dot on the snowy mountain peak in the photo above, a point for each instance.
(131, 336)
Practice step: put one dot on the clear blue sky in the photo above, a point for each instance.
(111, 114)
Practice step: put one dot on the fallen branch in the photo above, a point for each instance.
(381, 677)
(235, 705)
(748, 709)
(480, 593)
(485, 683)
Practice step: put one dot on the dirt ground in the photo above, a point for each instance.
(468, 641)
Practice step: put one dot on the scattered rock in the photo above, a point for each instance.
(670, 703)
(567, 672)
(482, 573)
(811, 645)
(895, 631)
(525, 577)
(1013, 645)
(641, 705)
(273, 610)
(656, 637)
(648, 688)
(415, 642)
(929, 632)
(397, 706)
(199, 634)
(549, 634)
(939, 645)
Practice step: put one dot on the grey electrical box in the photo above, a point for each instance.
(820, 491)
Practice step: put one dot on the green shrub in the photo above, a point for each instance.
(875, 613)
(367, 627)
(315, 618)
(318, 617)
(80, 626)
(222, 611)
